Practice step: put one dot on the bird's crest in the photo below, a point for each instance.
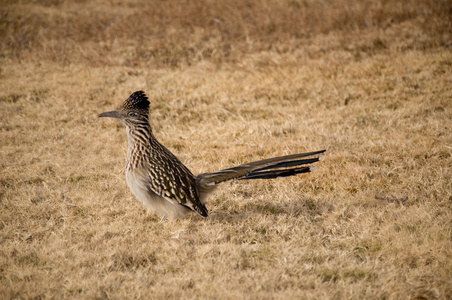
(137, 101)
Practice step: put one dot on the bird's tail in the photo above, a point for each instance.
(281, 166)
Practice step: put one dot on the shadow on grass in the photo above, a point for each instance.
(305, 208)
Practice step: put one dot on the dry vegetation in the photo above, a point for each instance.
(229, 82)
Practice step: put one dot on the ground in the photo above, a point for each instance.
(229, 82)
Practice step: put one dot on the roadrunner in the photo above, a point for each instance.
(164, 184)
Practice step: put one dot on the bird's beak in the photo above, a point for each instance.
(110, 114)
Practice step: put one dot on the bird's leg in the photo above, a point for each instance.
(162, 219)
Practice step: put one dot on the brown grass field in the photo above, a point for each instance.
(229, 82)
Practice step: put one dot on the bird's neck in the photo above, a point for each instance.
(139, 140)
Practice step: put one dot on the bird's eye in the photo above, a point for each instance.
(132, 114)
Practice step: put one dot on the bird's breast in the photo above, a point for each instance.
(139, 184)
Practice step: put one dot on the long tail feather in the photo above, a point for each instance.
(277, 173)
(289, 164)
(262, 169)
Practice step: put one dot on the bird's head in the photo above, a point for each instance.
(134, 110)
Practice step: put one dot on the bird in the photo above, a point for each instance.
(162, 183)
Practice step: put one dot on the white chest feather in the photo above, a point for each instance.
(138, 186)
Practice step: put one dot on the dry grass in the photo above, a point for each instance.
(229, 82)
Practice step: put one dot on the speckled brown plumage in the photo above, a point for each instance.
(165, 185)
